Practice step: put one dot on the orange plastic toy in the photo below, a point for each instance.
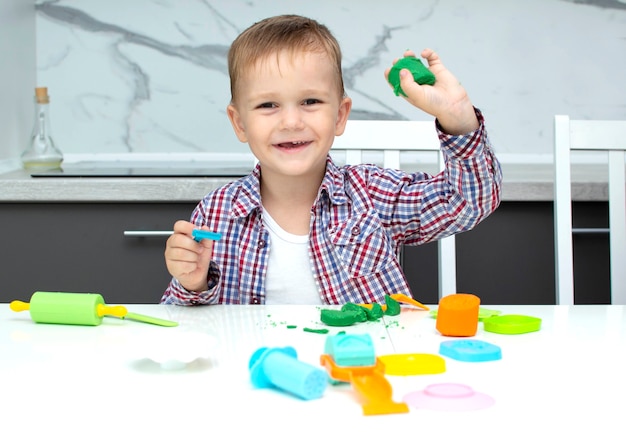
(401, 298)
(457, 315)
(350, 358)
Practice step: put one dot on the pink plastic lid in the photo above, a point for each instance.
(448, 397)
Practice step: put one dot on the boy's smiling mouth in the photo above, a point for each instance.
(292, 144)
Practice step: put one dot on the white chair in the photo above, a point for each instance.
(390, 138)
(589, 135)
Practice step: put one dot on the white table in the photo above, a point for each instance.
(569, 378)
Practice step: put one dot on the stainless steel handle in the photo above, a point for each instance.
(148, 234)
(590, 230)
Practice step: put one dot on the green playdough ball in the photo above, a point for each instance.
(421, 74)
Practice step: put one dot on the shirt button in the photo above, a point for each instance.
(255, 301)
(193, 302)
(261, 244)
(355, 230)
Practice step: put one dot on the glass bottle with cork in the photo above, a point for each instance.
(41, 152)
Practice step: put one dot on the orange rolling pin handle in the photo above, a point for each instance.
(457, 315)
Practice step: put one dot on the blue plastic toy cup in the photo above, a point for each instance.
(280, 367)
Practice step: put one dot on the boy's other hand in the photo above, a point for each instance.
(446, 100)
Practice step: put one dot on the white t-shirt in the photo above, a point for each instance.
(290, 278)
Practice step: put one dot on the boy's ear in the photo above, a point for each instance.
(237, 123)
(342, 116)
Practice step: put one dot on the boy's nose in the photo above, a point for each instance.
(292, 119)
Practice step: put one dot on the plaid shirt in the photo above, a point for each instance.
(361, 217)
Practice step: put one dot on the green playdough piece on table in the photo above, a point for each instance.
(375, 313)
(316, 331)
(421, 74)
(358, 308)
(339, 317)
(393, 306)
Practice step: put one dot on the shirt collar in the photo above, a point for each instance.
(248, 197)
(333, 183)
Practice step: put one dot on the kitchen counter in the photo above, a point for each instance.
(522, 182)
(18, 186)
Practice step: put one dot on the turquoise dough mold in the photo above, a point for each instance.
(421, 74)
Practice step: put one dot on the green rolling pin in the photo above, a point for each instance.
(78, 309)
(68, 308)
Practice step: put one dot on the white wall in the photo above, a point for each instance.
(17, 75)
(145, 76)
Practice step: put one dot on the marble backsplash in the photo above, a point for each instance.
(150, 76)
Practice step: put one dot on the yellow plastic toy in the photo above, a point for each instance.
(413, 364)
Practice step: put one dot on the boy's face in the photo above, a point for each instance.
(288, 109)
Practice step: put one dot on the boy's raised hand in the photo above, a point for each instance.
(186, 259)
(446, 100)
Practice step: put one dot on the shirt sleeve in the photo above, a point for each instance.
(429, 207)
(176, 294)
(472, 181)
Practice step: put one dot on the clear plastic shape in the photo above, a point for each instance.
(175, 349)
(448, 397)
(41, 153)
(470, 350)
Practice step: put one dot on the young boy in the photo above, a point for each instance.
(299, 229)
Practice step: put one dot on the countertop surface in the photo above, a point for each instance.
(522, 182)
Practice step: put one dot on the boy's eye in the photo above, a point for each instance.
(311, 102)
(267, 105)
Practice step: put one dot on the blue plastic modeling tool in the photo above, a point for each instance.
(200, 234)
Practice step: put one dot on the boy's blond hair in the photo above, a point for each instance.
(272, 35)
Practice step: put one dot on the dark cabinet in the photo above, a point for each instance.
(508, 259)
(81, 247)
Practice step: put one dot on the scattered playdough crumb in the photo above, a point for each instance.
(393, 323)
(292, 326)
(316, 331)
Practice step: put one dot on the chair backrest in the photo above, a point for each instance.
(590, 135)
(392, 137)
